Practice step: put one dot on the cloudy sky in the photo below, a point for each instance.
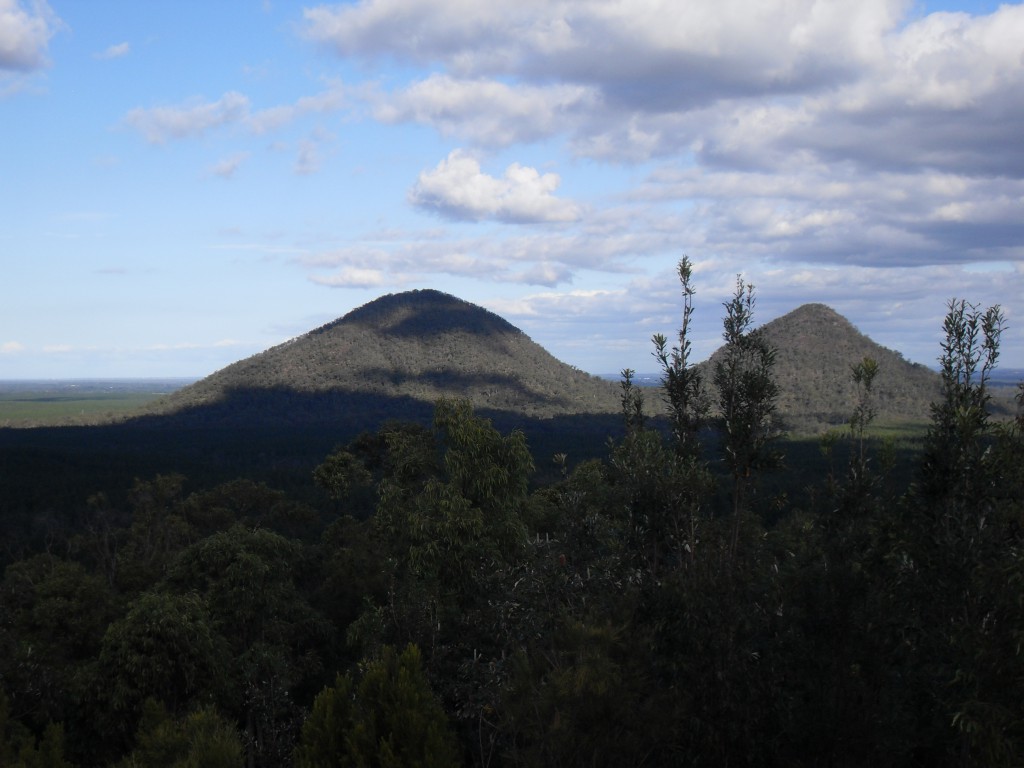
(183, 184)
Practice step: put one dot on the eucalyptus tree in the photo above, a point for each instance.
(386, 716)
(961, 545)
(747, 391)
(247, 580)
(452, 537)
(681, 381)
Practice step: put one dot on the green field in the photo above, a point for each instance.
(74, 402)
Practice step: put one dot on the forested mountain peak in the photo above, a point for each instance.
(393, 358)
(424, 312)
(817, 348)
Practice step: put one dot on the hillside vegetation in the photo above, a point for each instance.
(416, 346)
(396, 356)
(816, 350)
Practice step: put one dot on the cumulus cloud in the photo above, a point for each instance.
(658, 46)
(458, 189)
(11, 347)
(25, 33)
(486, 112)
(194, 118)
(774, 87)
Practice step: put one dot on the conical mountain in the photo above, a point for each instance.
(817, 347)
(394, 357)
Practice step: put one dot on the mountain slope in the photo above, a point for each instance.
(393, 355)
(816, 349)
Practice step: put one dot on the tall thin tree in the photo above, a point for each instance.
(746, 397)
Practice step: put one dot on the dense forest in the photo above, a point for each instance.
(665, 604)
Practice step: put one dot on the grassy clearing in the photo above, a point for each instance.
(66, 403)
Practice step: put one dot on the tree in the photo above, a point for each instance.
(55, 613)
(961, 539)
(460, 517)
(390, 718)
(864, 411)
(247, 580)
(682, 383)
(746, 398)
(200, 739)
(158, 532)
(955, 457)
(20, 749)
(339, 473)
(164, 648)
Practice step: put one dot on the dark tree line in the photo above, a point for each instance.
(657, 607)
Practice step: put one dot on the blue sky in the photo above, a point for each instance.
(186, 184)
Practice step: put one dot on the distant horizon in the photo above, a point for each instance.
(1002, 374)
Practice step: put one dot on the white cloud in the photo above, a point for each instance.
(458, 189)
(11, 347)
(329, 100)
(658, 52)
(25, 34)
(487, 112)
(114, 52)
(739, 85)
(161, 124)
(839, 214)
(353, 277)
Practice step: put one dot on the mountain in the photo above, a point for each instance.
(816, 349)
(393, 358)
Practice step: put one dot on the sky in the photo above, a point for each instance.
(184, 184)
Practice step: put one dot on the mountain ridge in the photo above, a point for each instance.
(395, 356)
(418, 345)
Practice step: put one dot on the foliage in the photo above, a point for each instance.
(963, 544)
(201, 739)
(20, 749)
(459, 514)
(681, 381)
(247, 578)
(632, 398)
(56, 613)
(389, 718)
(165, 647)
(746, 398)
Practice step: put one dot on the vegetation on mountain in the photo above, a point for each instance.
(394, 357)
(815, 351)
(416, 346)
(676, 597)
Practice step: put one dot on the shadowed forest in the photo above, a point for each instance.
(688, 591)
